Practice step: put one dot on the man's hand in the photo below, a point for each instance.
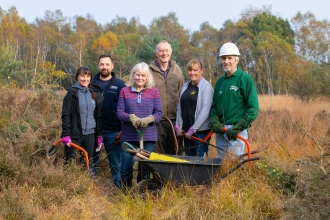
(216, 125)
(233, 131)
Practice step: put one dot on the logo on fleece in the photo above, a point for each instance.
(233, 88)
(192, 92)
(113, 87)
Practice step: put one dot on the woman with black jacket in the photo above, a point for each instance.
(81, 116)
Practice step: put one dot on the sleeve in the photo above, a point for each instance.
(213, 110)
(157, 111)
(179, 120)
(251, 100)
(207, 100)
(121, 110)
(181, 80)
(98, 114)
(66, 115)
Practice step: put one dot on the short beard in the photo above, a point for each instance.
(229, 71)
(105, 73)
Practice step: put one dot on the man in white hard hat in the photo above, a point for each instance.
(235, 103)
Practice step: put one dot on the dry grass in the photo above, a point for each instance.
(290, 181)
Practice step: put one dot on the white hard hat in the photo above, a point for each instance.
(229, 49)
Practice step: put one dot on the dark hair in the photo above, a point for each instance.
(192, 62)
(103, 56)
(84, 70)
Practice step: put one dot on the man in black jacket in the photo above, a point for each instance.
(106, 83)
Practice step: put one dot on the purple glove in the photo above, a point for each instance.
(178, 131)
(190, 132)
(66, 140)
(99, 143)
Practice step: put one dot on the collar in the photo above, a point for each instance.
(133, 89)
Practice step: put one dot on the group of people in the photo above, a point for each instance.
(97, 110)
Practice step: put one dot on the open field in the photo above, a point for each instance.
(291, 180)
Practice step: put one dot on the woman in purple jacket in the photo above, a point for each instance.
(139, 108)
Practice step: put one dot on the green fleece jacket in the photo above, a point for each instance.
(169, 88)
(235, 98)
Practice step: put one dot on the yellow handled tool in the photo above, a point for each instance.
(162, 157)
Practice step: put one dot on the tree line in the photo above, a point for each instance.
(283, 57)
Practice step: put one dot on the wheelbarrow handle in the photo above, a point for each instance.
(208, 136)
(75, 146)
(249, 160)
(138, 151)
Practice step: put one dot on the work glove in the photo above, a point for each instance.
(215, 125)
(66, 140)
(145, 121)
(178, 131)
(237, 128)
(99, 143)
(135, 120)
(190, 132)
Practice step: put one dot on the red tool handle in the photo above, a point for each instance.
(208, 136)
(79, 148)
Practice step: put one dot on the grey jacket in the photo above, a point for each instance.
(204, 103)
(86, 108)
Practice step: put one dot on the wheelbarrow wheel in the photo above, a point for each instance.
(148, 186)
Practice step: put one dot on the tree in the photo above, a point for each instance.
(85, 30)
(124, 60)
(9, 67)
(312, 37)
(121, 26)
(273, 54)
(16, 33)
(270, 23)
(266, 43)
(105, 43)
(206, 42)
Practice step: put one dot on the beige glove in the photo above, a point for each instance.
(145, 121)
(135, 120)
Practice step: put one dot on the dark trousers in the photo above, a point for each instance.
(165, 144)
(87, 142)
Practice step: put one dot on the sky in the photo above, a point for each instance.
(190, 13)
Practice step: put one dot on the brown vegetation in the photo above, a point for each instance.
(290, 181)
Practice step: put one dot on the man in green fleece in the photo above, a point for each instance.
(235, 103)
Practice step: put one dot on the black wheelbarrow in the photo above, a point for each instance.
(188, 170)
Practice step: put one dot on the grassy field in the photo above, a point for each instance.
(290, 181)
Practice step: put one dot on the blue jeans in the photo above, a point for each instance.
(198, 148)
(114, 153)
(235, 147)
(128, 162)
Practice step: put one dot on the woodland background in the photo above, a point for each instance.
(283, 57)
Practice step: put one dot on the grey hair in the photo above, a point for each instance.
(163, 42)
(143, 68)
